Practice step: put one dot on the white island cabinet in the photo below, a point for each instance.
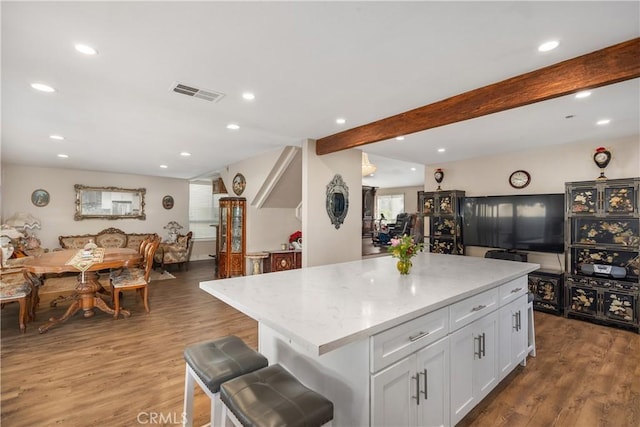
(388, 349)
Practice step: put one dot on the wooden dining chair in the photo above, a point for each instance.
(21, 287)
(134, 278)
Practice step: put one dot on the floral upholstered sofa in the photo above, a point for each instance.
(107, 238)
(174, 253)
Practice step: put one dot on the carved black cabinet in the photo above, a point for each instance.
(602, 251)
(442, 213)
(548, 291)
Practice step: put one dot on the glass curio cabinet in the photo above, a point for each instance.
(442, 215)
(232, 237)
(602, 250)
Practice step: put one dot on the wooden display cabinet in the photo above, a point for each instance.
(442, 213)
(232, 237)
(602, 250)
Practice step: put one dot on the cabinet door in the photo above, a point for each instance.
(281, 261)
(463, 346)
(433, 367)
(513, 335)
(394, 395)
(485, 366)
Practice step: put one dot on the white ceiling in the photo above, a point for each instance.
(308, 63)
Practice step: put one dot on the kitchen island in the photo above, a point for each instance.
(339, 327)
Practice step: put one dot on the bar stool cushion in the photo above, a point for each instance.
(273, 397)
(222, 359)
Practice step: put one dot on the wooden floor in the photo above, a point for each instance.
(103, 372)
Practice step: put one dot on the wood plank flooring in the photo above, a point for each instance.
(103, 372)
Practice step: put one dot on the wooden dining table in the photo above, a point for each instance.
(86, 295)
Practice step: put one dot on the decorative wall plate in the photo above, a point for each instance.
(40, 197)
(239, 183)
(167, 202)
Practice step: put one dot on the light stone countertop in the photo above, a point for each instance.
(323, 308)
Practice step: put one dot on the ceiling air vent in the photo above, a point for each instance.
(205, 94)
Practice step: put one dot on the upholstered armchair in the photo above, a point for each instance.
(175, 253)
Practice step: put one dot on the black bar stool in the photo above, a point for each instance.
(211, 363)
(271, 396)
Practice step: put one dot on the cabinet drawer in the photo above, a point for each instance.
(391, 345)
(512, 290)
(466, 311)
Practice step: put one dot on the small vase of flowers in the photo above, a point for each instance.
(404, 249)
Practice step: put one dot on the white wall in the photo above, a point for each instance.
(323, 243)
(267, 228)
(550, 167)
(57, 217)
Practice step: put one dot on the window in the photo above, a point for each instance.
(203, 210)
(390, 206)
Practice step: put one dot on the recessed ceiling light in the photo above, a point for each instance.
(63, 156)
(583, 94)
(341, 121)
(87, 50)
(413, 169)
(400, 138)
(185, 154)
(248, 96)
(603, 122)
(441, 150)
(233, 126)
(42, 87)
(56, 137)
(547, 46)
(164, 166)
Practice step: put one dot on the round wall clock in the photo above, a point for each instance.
(519, 179)
(238, 184)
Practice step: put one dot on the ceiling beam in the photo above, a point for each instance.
(610, 65)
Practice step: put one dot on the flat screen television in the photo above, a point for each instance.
(532, 222)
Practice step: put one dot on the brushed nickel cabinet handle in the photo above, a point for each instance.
(483, 343)
(479, 353)
(513, 291)
(425, 392)
(417, 396)
(478, 308)
(420, 335)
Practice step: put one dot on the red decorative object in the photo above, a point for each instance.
(296, 237)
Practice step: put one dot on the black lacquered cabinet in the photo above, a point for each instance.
(548, 291)
(442, 213)
(602, 251)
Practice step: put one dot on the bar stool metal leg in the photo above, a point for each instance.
(216, 404)
(187, 410)
(532, 331)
